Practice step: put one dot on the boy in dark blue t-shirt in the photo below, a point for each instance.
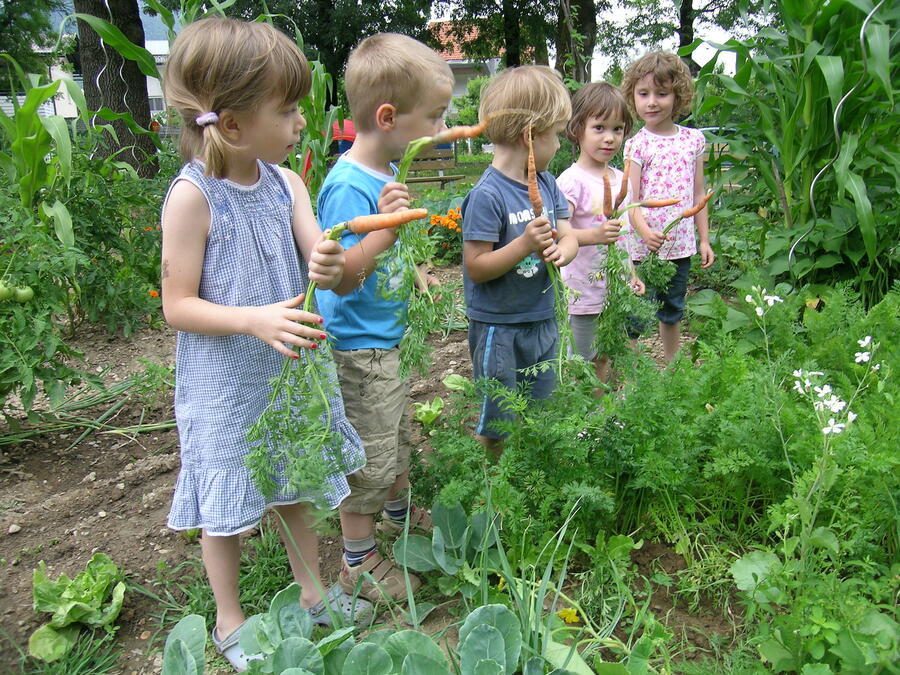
(506, 250)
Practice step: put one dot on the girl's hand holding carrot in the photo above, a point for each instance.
(637, 285)
(652, 238)
(607, 232)
(281, 323)
(326, 263)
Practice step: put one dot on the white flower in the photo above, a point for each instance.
(798, 373)
(863, 357)
(851, 416)
(822, 391)
(819, 405)
(759, 311)
(772, 299)
(877, 366)
(835, 404)
(833, 427)
(815, 372)
(798, 385)
(865, 342)
(749, 298)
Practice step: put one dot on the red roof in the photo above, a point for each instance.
(450, 50)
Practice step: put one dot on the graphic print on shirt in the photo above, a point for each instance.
(528, 266)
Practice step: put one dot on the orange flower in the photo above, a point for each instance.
(149, 229)
(154, 294)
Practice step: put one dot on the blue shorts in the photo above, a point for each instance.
(671, 299)
(500, 352)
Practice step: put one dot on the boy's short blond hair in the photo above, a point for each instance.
(667, 69)
(390, 68)
(527, 95)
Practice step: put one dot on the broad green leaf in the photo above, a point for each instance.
(191, 633)
(823, 537)
(417, 664)
(58, 129)
(51, 644)
(414, 551)
(503, 619)
(610, 669)
(337, 657)
(448, 563)
(114, 37)
(482, 643)
(567, 657)
(297, 652)
(334, 639)
(368, 659)
(486, 668)
(879, 41)
(178, 660)
(452, 521)
(62, 221)
(857, 189)
(833, 71)
(406, 642)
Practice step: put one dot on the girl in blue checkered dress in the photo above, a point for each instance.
(232, 284)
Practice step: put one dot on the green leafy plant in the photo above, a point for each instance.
(93, 598)
(427, 413)
(820, 143)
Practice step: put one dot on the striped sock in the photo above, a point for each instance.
(356, 550)
(396, 509)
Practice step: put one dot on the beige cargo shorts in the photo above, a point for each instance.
(376, 401)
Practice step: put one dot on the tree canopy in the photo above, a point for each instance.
(27, 33)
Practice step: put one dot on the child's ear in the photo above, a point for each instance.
(386, 116)
(230, 124)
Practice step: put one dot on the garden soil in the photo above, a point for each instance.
(111, 493)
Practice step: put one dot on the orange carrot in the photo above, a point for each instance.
(456, 133)
(623, 191)
(534, 193)
(607, 197)
(659, 203)
(383, 221)
(696, 208)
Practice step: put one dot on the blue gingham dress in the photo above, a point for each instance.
(222, 383)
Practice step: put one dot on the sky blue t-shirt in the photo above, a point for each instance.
(497, 209)
(362, 319)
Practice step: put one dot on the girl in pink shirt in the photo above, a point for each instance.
(599, 123)
(667, 162)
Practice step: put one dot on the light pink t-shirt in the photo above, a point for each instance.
(667, 171)
(585, 191)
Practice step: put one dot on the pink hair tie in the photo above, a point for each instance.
(206, 119)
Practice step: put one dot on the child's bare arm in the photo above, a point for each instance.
(484, 263)
(651, 237)
(186, 221)
(325, 258)
(360, 259)
(701, 219)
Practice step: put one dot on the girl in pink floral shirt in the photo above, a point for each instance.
(666, 162)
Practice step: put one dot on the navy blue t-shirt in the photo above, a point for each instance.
(497, 210)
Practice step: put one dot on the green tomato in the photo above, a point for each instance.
(24, 293)
(5, 292)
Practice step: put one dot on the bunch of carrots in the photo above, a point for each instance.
(295, 435)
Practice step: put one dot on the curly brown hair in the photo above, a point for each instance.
(597, 99)
(667, 69)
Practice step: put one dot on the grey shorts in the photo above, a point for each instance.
(500, 352)
(584, 330)
(376, 401)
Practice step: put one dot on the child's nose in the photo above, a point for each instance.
(301, 122)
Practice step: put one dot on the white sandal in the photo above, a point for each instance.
(231, 649)
(358, 611)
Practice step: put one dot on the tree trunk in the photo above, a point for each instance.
(512, 32)
(116, 83)
(686, 17)
(576, 17)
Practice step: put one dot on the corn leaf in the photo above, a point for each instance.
(114, 37)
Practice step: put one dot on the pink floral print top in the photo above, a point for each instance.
(667, 171)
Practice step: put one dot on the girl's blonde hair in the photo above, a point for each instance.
(390, 68)
(596, 99)
(525, 95)
(223, 64)
(667, 69)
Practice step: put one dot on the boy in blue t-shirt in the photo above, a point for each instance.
(506, 250)
(398, 90)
